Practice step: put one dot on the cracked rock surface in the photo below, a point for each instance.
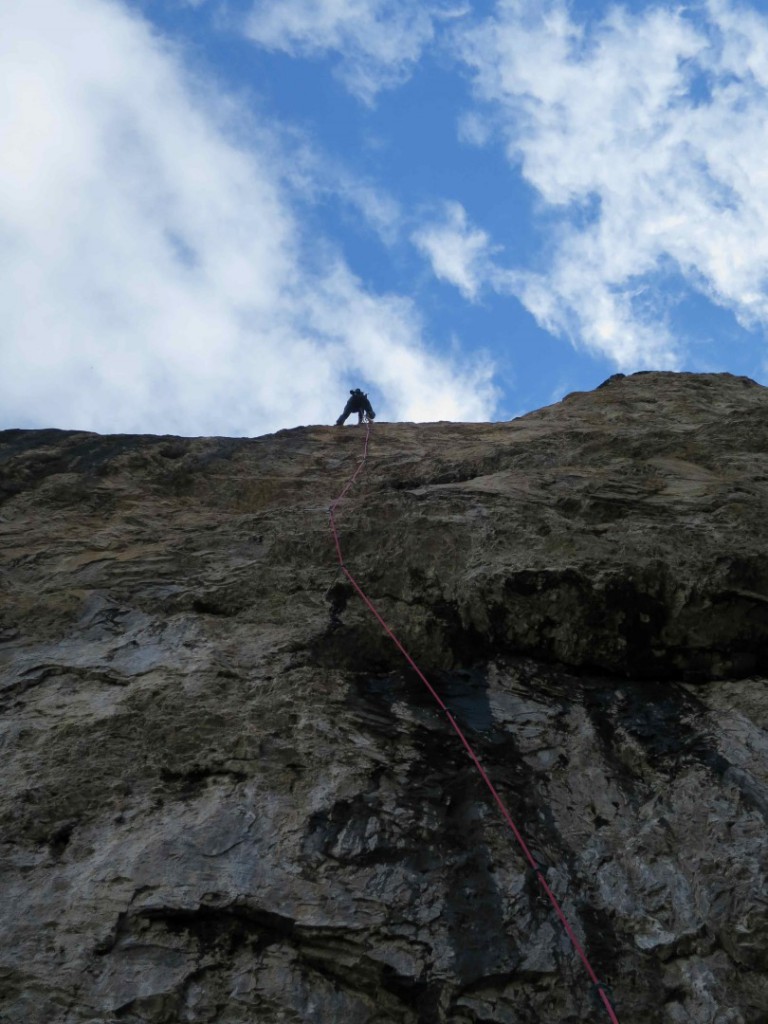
(227, 799)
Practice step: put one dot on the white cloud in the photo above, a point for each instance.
(473, 129)
(459, 253)
(318, 179)
(154, 275)
(379, 41)
(646, 135)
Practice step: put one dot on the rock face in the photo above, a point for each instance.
(227, 799)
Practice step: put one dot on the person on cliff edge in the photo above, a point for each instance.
(357, 402)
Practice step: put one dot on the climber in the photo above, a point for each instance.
(357, 402)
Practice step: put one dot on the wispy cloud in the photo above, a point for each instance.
(377, 42)
(316, 178)
(458, 252)
(645, 136)
(155, 274)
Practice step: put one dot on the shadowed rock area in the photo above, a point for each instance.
(226, 799)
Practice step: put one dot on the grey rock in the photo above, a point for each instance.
(228, 799)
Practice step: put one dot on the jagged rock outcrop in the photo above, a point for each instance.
(226, 799)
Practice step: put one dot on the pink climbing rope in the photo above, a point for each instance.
(599, 986)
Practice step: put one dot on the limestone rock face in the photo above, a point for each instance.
(226, 798)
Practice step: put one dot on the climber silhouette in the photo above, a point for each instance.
(357, 402)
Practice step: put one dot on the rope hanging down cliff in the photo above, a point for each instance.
(599, 986)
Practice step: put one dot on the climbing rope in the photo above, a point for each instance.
(599, 986)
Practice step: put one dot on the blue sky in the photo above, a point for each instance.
(218, 215)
